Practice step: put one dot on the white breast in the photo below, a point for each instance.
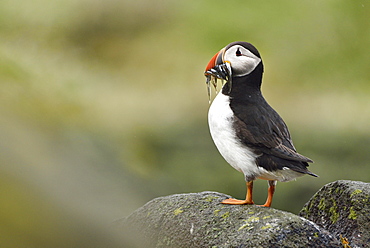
(220, 120)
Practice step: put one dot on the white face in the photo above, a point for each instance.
(241, 59)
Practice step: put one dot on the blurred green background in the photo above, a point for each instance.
(104, 106)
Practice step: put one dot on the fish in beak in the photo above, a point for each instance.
(217, 68)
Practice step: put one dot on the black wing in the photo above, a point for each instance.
(260, 127)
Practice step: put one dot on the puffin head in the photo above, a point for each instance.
(241, 57)
(238, 59)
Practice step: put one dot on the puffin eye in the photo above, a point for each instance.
(238, 52)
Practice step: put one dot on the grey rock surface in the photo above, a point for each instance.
(200, 220)
(342, 208)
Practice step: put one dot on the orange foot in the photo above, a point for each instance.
(232, 201)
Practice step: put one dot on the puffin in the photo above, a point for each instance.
(247, 131)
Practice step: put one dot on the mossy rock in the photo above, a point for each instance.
(342, 208)
(200, 220)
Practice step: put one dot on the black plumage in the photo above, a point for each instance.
(259, 126)
(247, 131)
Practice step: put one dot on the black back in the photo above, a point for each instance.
(259, 126)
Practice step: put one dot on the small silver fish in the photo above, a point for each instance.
(223, 72)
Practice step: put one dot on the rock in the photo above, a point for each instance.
(342, 208)
(199, 220)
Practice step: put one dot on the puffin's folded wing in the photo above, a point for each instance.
(287, 153)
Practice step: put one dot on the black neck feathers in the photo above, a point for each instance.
(248, 86)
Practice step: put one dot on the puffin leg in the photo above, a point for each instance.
(270, 193)
(248, 197)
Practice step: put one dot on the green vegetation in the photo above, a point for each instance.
(352, 213)
(178, 211)
(333, 211)
(355, 192)
(322, 204)
(268, 226)
(104, 107)
(225, 215)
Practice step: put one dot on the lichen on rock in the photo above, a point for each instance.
(342, 208)
(200, 220)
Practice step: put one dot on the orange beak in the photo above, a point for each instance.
(215, 60)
